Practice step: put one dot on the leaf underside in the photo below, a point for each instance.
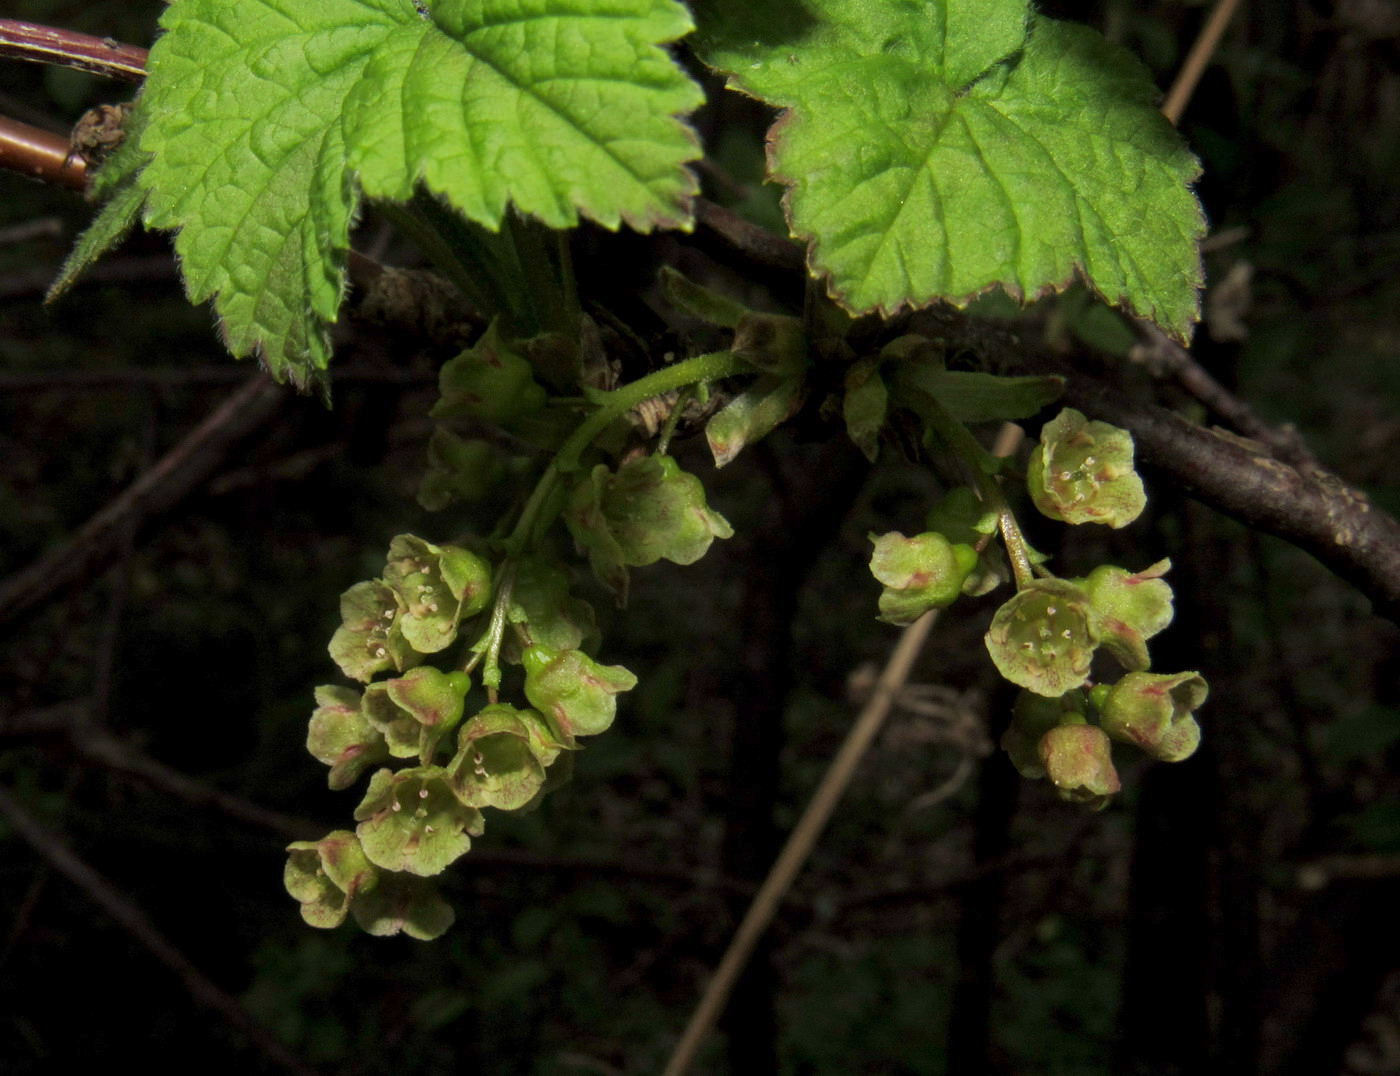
(934, 150)
(268, 118)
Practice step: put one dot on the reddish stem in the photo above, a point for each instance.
(40, 154)
(65, 48)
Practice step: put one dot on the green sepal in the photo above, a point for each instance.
(1043, 638)
(865, 405)
(501, 757)
(1082, 472)
(1078, 760)
(1131, 608)
(413, 821)
(401, 732)
(403, 903)
(964, 520)
(326, 876)
(753, 415)
(490, 381)
(576, 695)
(458, 470)
(339, 736)
(1032, 717)
(438, 587)
(370, 639)
(1153, 712)
(699, 302)
(649, 510)
(919, 573)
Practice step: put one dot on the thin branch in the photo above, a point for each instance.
(800, 844)
(138, 924)
(1164, 353)
(65, 48)
(40, 155)
(757, 244)
(177, 474)
(1197, 59)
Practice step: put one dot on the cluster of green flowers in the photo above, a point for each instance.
(1046, 636)
(417, 819)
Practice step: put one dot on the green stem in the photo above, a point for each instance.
(489, 645)
(958, 438)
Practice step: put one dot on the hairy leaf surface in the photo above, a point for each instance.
(267, 116)
(934, 149)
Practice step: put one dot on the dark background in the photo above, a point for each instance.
(1234, 913)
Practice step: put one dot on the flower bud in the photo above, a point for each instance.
(1044, 637)
(964, 520)
(576, 695)
(458, 470)
(1153, 711)
(1082, 472)
(920, 573)
(1078, 760)
(413, 821)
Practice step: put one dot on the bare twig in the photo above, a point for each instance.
(799, 845)
(1197, 59)
(139, 925)
(40, 155)
(66, 48)
(180, 471)
(1166, 354)
(758, 244)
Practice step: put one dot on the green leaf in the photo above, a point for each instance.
(264, 114)
(935, 150)
(105, 233)
(976, 397)
(865, 406)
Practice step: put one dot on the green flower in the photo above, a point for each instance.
(502, 754)
(458, 470)
(326, 876)
(415, 711)
(1131, 608)
(413, 821)
(545, 610)
(1044, 637)
(370, 640)
(1082, 472)
(490, 381)
(920, 573)
(339, 736)
(1078, 760)
(403, 903)
(574, 693)
(649, 510)
(438, 587)
(1153, 711)
(1032, 717)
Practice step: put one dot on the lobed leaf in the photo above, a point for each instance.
(266, 117)
(935, 150)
